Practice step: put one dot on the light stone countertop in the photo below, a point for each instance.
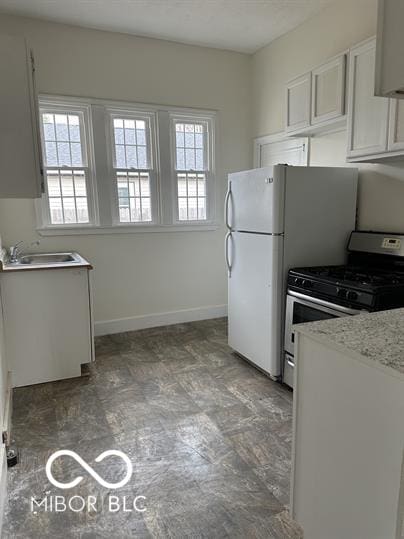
(378, 337)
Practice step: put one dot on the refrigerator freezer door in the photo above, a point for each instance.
(256, 201)
(255, 292)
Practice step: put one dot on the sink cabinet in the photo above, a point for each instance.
(47, 323)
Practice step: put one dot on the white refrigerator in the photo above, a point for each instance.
(278, 218)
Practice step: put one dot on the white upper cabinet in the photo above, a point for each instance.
(389, 80)
(298, 97)
(19, 151)
(396, 125)
(315, 101)
(375, 124)
(368, 115)
(328, 90)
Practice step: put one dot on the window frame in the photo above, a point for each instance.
(102, 193)
(152, 153)
(208, 120)
(49, 106)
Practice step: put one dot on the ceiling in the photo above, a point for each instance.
(239, 25)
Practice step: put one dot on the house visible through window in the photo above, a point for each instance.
(127, 166)
(132, 169)
(191, 166)
(65, 162)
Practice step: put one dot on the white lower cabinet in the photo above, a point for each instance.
(47, 323)
(348, 440)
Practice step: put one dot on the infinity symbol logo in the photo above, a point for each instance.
(88, 468)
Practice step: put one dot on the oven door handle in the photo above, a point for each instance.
(327, 304)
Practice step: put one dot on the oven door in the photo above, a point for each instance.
(303, 308)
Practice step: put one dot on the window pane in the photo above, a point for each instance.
(76, 154)
(131, 159)
(74, 128)
(49, 127)
(62, 140)
(80, 184)
(67, 185)
(134, 201)
(82, 210)
(180, 159)
(142, 157)
(64, 154)
(189, 159)
(201, 208)
(192, 186)
(53, 186)
(191, 196)
(189, 136)
(56, 212)
(120, 156)
(51, 158)
(131, 143)
(199, 164)
(62, 131)
(67, 194)
(130, 135)
(141, 137)
(192, 209)
(69, 210)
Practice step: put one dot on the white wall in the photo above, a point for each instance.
(336, 28)
(139, 274)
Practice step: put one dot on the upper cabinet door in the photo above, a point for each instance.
(396, 125)
(19, 150)
(368, 115)
(328, 90)
(298, 99)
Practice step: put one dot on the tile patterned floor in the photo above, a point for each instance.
(209, 437)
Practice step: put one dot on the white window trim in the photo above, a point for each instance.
(103, 192)
(209, 150)
(86, 133)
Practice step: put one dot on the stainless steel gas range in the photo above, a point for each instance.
(372, 280)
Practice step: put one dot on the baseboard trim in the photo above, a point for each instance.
(120, 325)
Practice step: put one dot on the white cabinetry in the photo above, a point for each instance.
(298, 96)
(375, 124)
(315, 101)
(348, 445)
(328, 90)
(47, 323)
(19, 142)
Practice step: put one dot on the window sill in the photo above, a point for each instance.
(137, 229)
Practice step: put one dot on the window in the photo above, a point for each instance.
(66, 168)
(111, 166)
(132, 162)
(191, 168)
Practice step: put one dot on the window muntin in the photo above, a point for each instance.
(132, 168)
(191, 168)
(65, 164)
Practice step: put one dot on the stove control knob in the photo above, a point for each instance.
(307, 284)
(342, 293)
(352, 295)
(297, 281)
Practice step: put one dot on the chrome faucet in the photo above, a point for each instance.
(15, 252)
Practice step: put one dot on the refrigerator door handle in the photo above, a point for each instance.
(226, 250)
(226, 207)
